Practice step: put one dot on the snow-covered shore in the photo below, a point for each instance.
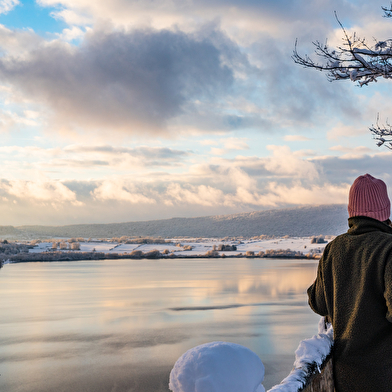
(183, 246)
(150, 248)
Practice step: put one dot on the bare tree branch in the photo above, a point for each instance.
(387, 11)
(383, 134)
(355, 60)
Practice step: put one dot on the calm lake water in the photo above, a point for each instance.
(120, 325)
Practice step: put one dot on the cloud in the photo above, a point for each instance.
(235, 143)
(227, 186)
(220, 186)
(285, 163)
(141, 156)
(193, 195)
(71, 17)
(166, 80)
(305, 153)
(7, 5)
(19, 151)
(131, 81)
(42, 191)
(167, 13)
(71, 34)
(352, 152)
(238, 17)
(119, 191)
(347, 168)
(297, 194)
(229, 145)
(342, 130)
(79, 160)
(19, 43)
(10, 120)
(294, 94)
(272, 194)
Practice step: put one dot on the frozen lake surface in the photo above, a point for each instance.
(120, 325)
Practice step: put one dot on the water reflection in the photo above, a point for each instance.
(119, 325)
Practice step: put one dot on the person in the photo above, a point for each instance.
(353, 288)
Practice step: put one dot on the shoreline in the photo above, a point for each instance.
(75, 249)
(69, 256)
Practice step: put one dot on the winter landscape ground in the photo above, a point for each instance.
(193, 247)
(297, 232)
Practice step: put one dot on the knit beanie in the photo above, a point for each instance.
(368, 197)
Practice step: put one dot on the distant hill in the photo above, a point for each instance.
(298, 222)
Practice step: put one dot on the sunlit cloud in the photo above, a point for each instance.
(229, 145)
(305, 153)
(352, 151)
(41, 191)
(86, 157)
(118, 190)
(202, 194)
(298, 194)
(7, 5)
(341, 130)
(284, 162)
(73, 33)
(71, 17)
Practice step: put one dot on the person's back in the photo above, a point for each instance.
(354, 289)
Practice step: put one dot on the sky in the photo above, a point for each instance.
(128, 110)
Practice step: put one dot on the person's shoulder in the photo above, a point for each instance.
(385, 238)
(335, 245)
(337, 239)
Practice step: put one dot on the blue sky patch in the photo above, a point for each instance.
(28, 14)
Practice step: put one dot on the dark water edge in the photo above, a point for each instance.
(154, 255)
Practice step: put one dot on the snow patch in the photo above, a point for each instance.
(310, 355)
(218, 367)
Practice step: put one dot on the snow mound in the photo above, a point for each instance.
(218, 367)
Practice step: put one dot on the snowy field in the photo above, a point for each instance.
(200, 246)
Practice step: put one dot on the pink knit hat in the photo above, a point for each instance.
(368, 197)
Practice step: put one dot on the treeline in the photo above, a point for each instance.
(56, 256)
(269, 253)
(139, 240)
(7, 249)
(74, 256)
(153, 254)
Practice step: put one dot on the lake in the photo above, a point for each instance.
(120, 325)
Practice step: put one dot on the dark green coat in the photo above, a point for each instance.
(354, 288)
